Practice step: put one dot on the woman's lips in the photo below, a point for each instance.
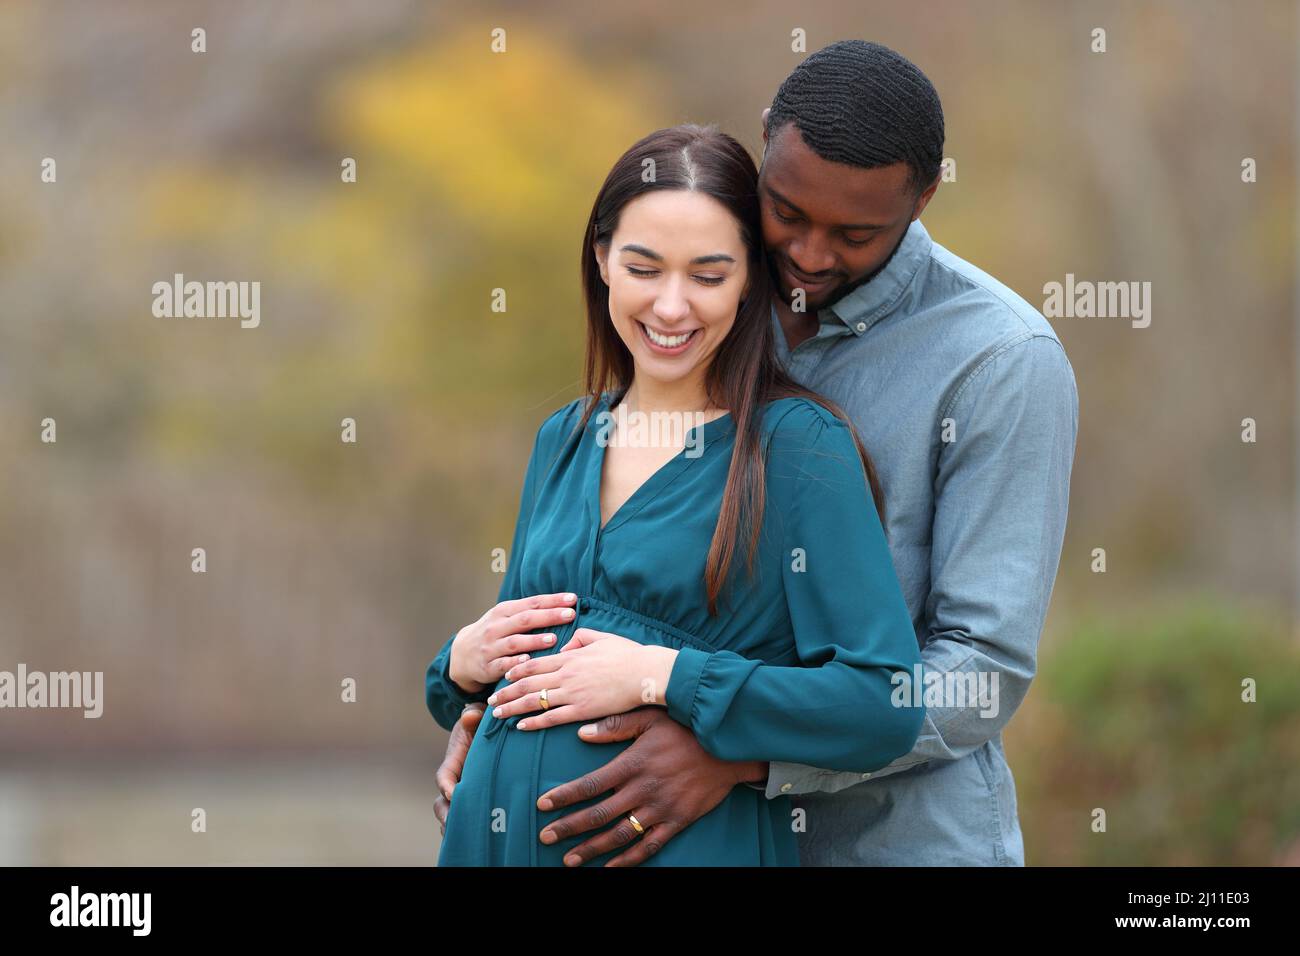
(664, 350)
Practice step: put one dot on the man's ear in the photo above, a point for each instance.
(923, 200)
(765, 113)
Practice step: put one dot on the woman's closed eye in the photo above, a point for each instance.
(651, 273)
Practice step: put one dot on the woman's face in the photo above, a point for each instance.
(676, 268)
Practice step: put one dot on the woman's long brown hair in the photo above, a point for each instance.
(745, 373)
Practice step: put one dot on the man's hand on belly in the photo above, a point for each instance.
(665, 779)
(453, 761)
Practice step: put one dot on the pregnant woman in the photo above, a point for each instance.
(735, 572)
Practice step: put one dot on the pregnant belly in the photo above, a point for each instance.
(494, 820)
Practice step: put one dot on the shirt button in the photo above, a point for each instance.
(861, 326)
(785, 787)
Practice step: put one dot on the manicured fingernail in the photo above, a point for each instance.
(493, 698)
(522, 725)
(570, 597)
(587, 730)
(548, 639)
(497, 712)
(566, 612)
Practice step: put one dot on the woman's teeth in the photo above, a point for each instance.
(667, 341)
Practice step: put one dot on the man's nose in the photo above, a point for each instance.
(811, 255)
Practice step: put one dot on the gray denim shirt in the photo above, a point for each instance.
(964, 397)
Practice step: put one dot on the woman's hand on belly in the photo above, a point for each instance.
(596, 674)
(482, 651)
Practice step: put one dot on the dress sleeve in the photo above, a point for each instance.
(850, 621)
(442, 696)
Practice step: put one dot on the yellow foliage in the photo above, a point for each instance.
(504, 138)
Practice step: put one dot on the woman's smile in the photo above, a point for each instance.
(664, 343)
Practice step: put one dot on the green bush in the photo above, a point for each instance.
(1143, 717)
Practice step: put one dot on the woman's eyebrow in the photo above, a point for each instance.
(697, 261)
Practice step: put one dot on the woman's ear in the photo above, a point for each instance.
(602, 260)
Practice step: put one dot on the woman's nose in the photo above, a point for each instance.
(670, 304)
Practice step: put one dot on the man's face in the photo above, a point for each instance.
(829, 227)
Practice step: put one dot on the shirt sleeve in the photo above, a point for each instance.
(850, 622)
(442, 696)
(1001, 493)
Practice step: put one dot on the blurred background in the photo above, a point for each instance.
(328, 561)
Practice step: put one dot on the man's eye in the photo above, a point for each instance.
(786, 219)
(857, 243)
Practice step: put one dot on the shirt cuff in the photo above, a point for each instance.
(683, 682)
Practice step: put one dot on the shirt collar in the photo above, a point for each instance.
(868, 304)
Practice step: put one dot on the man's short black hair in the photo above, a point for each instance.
(862, 104)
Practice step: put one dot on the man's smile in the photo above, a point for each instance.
(798, 280)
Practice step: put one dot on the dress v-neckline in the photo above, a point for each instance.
(645, 491)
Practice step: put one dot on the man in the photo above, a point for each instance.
(965, 399)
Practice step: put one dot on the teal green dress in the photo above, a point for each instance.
(796, 666)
